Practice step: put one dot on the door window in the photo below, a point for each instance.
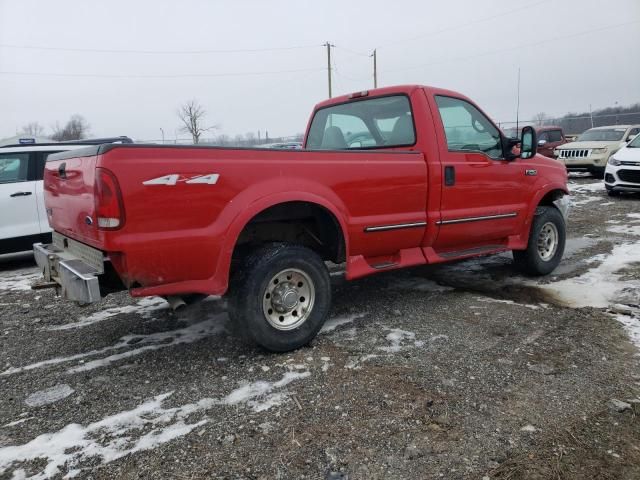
(14, 167)
(555, 135)
(544, 136)
(467, 129)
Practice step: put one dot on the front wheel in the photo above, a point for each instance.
(280, 296)
(546, 243)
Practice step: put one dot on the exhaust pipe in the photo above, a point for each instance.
(175, 302)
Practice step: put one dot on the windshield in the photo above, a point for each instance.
(635, 143)
(380, 122)
(602, 135)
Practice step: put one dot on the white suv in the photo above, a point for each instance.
(623, 169)
(593, 148)
(23, 220)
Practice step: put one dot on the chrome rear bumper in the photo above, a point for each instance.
(76, 278)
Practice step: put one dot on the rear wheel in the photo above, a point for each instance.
(546, 243)
(281, 296)
(612, 193)
(597, 172)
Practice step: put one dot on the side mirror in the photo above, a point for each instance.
(542, 143)
(528, 144)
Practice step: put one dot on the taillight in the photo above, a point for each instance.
(109, 209)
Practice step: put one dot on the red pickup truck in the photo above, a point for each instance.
(389, 178)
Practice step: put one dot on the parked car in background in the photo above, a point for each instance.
(283, 145)
(593, 148)
(23, 220)
(549, 138)
(623, 169)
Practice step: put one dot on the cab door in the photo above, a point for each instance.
(484, 195)
(18, 204)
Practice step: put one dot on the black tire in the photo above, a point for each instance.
(249, 294)
(613, 193)
(597, 172)
(531, 261)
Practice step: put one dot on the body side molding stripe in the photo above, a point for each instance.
(476, 219)
(384, 228)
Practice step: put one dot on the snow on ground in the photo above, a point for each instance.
(19, 279)
(336, 322)
(632, 327)
(587, 187)
(397, 338)
(510, 302)
(145, 308)
(583, 201)
(142, 343)
(601, 286)
(625, 229)
(419, 284)
(121, 434)
(49, 395)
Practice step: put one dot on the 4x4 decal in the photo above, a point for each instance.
(175, 178)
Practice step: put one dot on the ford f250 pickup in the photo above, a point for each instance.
(388, 178)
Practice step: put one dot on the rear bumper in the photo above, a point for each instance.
(77, 279)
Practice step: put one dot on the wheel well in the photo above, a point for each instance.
(550, 197)
(302, 223)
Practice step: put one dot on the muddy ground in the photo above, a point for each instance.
(459, 371)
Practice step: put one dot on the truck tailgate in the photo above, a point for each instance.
(69, 181)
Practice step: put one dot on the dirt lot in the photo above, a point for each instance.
(457, 371)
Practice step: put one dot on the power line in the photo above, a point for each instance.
(158, 52)
(178, 75)
(507, 49)
(464, 25)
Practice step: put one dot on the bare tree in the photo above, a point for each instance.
(76, 128)
(33, 129)
(540, 118)
(223, 139)
(192, 115)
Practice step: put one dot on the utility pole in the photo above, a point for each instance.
(328, 45)
(375, 67)
(591, 115)
(162, 131)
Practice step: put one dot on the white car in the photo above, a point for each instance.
(23, 220)
(623, 169)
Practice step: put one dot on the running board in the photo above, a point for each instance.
(473, 251)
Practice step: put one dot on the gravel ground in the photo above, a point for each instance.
(459, 371)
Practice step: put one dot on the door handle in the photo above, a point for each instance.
(20, 194)
(449, 176)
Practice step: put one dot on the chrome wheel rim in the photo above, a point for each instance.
(288, 299)
(548, 241)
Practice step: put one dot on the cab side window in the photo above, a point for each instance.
(467, 129)
(544, 136)
(14, 167)
(555, 135)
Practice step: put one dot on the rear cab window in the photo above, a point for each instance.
(378, 122)
(555, 135)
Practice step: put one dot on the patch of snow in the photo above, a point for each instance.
(22, 279)
(142, 343)
(583, 201)
(586, 187)
(606, 204)
(631, 326)
(508, 302)
(18, 422)
(529, 428)
(336, 322)
(625, 229)
(49, 395)
(601, 286)
(419, 284)
(145, 307)
(397, 338)
(119, 435)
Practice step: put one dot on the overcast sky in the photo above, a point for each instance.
(128, 65)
